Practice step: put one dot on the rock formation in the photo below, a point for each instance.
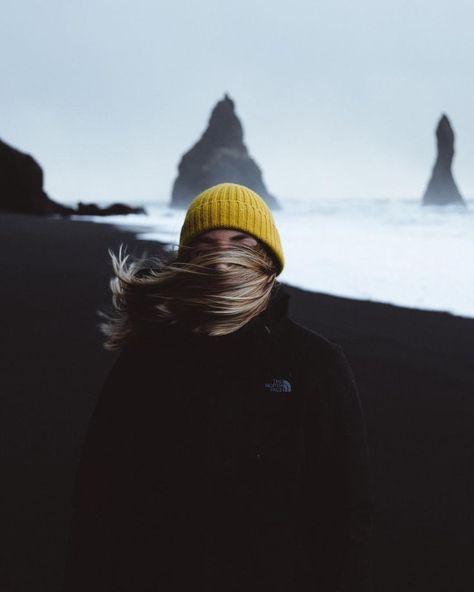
(21, 185)
(115, 209)
(442, 188)
(21, 189)
(219, 156)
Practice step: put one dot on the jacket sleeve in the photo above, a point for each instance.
(351, 486)
(96, 517)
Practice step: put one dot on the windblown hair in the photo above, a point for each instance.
(188, 290)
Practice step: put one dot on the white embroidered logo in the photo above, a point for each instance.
(278, 385)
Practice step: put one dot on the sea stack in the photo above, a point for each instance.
(442, 189)
(21, 185)
(219, 156)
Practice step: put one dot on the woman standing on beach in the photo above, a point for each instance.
(227, 451)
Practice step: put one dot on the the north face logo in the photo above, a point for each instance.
(278, 385)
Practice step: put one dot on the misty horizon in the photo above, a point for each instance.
(336, 100)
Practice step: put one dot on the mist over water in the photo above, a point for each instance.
(386, 250)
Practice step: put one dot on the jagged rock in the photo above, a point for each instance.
(21, 190)
(21, 185)
(116, 209)
(442, 188)
(219, 156)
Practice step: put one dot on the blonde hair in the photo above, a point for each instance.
(189, 290)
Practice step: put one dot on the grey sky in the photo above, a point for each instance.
(336, 98)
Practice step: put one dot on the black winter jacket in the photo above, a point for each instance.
(232, 463)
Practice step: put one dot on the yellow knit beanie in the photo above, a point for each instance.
(229, 205)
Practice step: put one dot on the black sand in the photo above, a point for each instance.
(415, 371)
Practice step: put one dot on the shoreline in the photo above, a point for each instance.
(137, 229)
(389, 255)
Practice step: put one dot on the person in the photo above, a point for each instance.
(228, 448)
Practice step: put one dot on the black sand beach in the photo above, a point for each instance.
(415, 372)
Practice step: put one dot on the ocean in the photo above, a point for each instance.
(386, 250)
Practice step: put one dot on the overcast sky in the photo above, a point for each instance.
(337, 98)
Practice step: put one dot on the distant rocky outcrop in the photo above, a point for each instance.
(219, 156)
(21, 189)
(116, 209)
(442, 188)
(21, 185)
